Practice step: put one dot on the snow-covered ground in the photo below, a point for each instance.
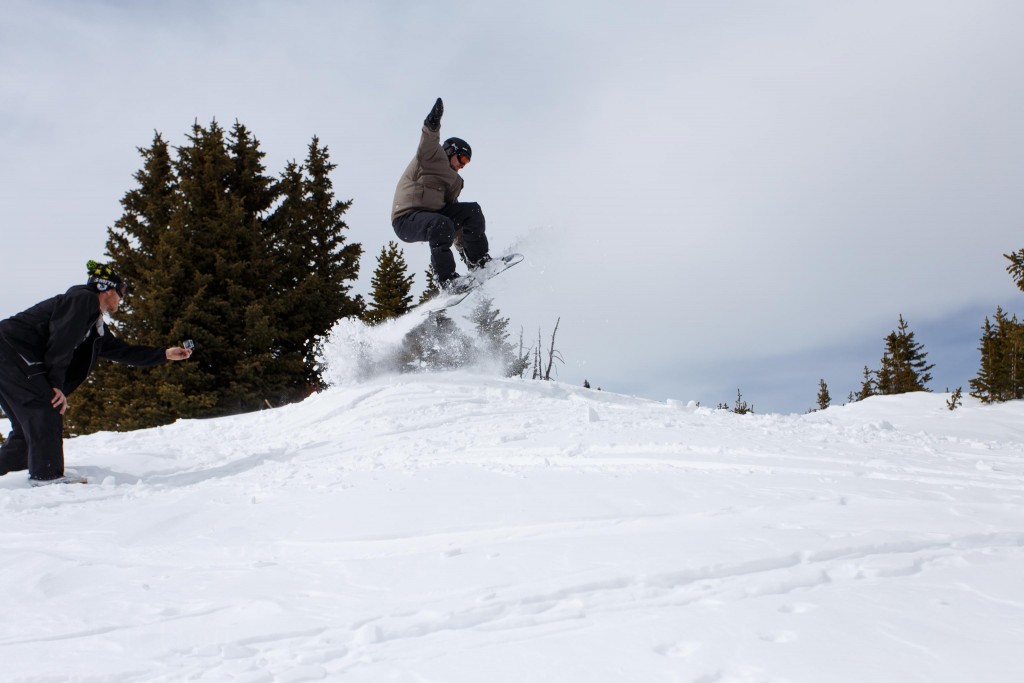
(458, 528)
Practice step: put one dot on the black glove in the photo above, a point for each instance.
(433, 120)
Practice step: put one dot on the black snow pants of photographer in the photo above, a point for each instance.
(36, 440)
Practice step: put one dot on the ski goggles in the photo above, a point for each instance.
(463, 158)
(103, 284)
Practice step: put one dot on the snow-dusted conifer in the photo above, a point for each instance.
(492, 329)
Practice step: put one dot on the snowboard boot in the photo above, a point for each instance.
(68, 478)
(479, 263)
(456, 285)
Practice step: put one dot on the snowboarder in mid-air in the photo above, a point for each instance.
(48, 351)
(426, 207)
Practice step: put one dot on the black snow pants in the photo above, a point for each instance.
(36, 440)
(443, 228)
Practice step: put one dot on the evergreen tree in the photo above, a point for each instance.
(223, 262)
(245, 299)
(432, 288)
(824, 399)
(868, 386)
(740, 407)
(492, 330)
(208, 257)
(140, 245)
(904, 368)
(391, 286)
(985, 385)
(314, 263)
(1001, 375)
(437, 344)
(1016, 267)
(955, 399)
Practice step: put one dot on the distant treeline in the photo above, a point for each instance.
(904, 366)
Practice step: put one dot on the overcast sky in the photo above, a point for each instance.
(711, 195)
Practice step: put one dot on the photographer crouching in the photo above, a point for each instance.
(46, 352)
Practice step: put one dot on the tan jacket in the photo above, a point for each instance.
(429, 182)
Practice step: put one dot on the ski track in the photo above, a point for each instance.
(415, 528)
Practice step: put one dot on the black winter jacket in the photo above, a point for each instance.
(63, 336)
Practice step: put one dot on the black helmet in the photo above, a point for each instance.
(457, 146)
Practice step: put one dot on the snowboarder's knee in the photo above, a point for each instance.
(442, 233)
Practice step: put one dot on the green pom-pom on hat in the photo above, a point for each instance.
(97, 269)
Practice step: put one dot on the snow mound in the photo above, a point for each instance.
(448, 527)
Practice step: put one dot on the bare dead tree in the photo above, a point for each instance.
(540, 369)
(536, 357)
(553, 354)
(524, 354)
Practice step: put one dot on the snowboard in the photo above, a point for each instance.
(470, 283)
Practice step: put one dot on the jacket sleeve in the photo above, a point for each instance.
(430, 152)
(69, 325)
(435, 165)
(112, 348)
